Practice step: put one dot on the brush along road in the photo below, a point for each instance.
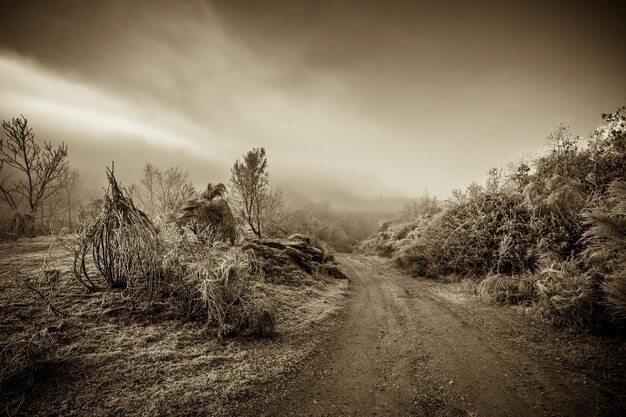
(416, 347)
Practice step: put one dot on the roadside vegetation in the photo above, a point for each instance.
(153, 272)
(548, 233)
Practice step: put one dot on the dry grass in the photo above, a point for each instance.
(561, 295)
(22, 356)
(227, 285)
(125, 247)
(109, 360)
(502, 289)
(607, 252)
(615, 291)
(567, 297)
(468, 286)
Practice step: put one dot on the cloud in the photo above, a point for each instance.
(54, 101)
(299, 135)
(366, 99)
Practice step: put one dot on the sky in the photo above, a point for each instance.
(351, 100)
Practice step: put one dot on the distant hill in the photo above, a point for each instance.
(342, 201)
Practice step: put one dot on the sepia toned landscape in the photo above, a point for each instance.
(238, 208)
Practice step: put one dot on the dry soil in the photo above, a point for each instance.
(416, 347)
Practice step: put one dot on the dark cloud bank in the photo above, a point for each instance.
(351, 99)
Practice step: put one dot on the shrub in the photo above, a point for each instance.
(414, 260)
(480, 232)
(566, 296)
(210, 214)
(125, 247)
(228, 285)
(182, 247)
(615, 290)
(607, 252)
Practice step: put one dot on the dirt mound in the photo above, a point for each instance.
(291, 260)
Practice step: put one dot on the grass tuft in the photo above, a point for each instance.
(502, 289)
(228, 287)
(567, 297)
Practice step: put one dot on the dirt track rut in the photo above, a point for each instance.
(400, 350)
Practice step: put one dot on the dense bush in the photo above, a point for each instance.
(607, 235)
(567, 205)
(193, 269)
(482, 232)
(193, 263)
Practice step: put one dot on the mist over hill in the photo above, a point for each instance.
(344, 201)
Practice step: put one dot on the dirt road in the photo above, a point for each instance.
(406, 346)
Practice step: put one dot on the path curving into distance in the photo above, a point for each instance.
(400, 350)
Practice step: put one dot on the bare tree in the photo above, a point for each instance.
(148, 182)
(90, 209)
(425, 205)
(273, 213)
(30, 174)
(164, 191)
(61, 208)
(250, 181)
(72, 184)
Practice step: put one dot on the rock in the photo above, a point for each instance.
(290, 260)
